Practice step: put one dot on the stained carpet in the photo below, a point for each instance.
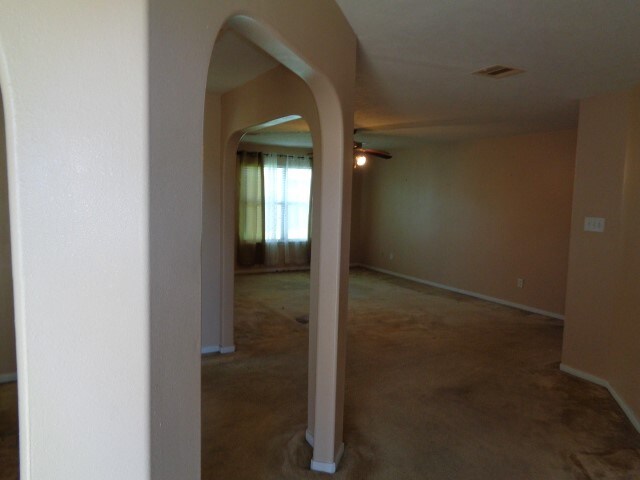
(439, 386)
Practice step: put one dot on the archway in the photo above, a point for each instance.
(105, 182)
(276, 94)
(263, 386)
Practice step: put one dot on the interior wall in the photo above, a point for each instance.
(254, 147)
(275, 94)
(475, 216)
(211, 220)
(7, 334)
(356, 254)
(625, 353)
(79, 176)
(603, 293)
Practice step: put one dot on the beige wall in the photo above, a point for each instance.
(7, 336)
(625, 351)
(356, 245)
(603, 292)
(254, 147)
(211, 218)
(475, 216)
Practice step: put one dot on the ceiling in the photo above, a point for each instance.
(416, 58)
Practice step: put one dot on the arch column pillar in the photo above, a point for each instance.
(329, 284)
(105, 150)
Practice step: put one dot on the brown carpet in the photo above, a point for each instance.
(8, 431)
(439, 386)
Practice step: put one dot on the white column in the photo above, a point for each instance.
(228, 262)
(74, 82)
(211, 222)
(331, 281)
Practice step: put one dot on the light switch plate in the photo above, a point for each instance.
(594, 224)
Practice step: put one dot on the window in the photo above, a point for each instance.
(274, 198)
(287, 189)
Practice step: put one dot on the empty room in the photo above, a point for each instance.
(312, 239)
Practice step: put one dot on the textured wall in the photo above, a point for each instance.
(475, 215)
(211, 218)
(79, 203)
(625, 354)
(603, 292)
(357, 205)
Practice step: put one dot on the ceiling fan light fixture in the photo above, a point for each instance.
(361, 160)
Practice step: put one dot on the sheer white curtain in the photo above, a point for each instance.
(287, 204)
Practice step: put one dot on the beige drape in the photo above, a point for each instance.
(250, 209)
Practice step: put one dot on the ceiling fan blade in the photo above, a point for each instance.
(376, 153)
(358, 148)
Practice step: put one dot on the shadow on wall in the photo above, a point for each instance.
(7, 334)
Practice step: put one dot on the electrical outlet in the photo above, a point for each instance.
(520, 283)
(594, 224)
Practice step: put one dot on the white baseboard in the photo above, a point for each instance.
(603, 383)
(293, 268)
(210, 349)
(506, 303)
(328, 467)
(8, 377)
(217, 349)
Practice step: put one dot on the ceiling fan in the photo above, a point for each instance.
(360, 153)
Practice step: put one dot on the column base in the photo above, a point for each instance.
(227, 349)
(328, 467)
(217, 349)
(210, 349)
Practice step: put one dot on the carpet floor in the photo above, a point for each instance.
(439, 386)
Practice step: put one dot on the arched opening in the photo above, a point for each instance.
(266, 380)
(274, 177)
(106, 184)
(246, 100)
(8, 376)
(331, 216)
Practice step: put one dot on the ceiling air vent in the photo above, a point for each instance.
(498, 71)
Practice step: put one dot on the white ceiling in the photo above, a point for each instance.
(416, 58)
